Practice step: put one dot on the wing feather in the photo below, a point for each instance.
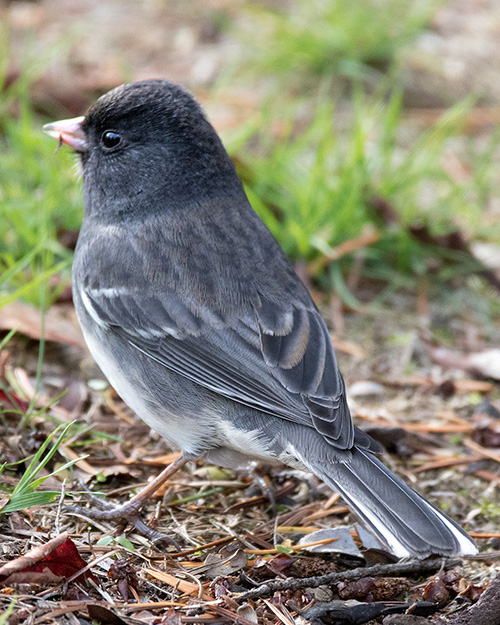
(279, 361)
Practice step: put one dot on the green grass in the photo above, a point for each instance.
(39, 198)
(4, 616)
(39, 195)
(315, 184)
(317, 38)
(26, 494)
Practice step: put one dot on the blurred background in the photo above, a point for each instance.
(366, 132)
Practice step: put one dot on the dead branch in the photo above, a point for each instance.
(378, 570)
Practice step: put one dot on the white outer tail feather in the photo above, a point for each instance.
(466, 544)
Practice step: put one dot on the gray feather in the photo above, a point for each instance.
(401, 518)
(272, 353)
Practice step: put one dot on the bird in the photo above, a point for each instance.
(198, 320)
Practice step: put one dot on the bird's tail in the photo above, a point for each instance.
(400, 517)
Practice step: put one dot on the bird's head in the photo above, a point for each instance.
(142, 141)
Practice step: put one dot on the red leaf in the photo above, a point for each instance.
(64, 561)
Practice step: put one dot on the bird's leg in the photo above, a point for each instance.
(129, 511)
(260, 484)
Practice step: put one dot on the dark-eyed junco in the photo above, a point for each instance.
(192, 311)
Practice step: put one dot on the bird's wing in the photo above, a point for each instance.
(278, 360)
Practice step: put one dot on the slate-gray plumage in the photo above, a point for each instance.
(193, 312)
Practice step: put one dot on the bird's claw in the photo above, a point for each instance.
(122, 515)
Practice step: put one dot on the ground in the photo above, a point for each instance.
(409, 368)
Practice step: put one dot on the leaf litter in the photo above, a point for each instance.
(234, 542)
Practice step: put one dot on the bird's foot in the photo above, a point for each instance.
(121, 515)
(129, 513)
(266, 488)
(261, 485)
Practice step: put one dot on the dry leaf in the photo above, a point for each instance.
(228, 560)
(246, 611)
(59, 556)
(342, 542)
(436, 591)
(28, 320)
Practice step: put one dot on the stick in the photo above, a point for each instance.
(378, 570)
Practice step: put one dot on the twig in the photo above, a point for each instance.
(185, 587)
(188, 552)
(379, 570)
(57, 522)
(484, 451)
(445, 463)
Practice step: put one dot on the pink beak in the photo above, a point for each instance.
(68, 131)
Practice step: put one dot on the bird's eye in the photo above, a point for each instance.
(110, 139)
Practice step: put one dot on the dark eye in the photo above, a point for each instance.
(110, 139)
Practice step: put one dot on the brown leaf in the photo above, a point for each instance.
(281, 563)
(436, 591)
(124, 573)
(473, 592)
(466, 589)
(28, 320)
(228, 560)
(246, 611)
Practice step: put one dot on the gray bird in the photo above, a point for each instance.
(194, 314)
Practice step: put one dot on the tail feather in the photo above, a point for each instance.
(400, 517)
